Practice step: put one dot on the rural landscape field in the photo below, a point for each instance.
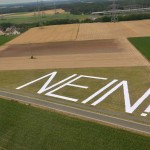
(74, 86)
(33, 17)
(67, 46)
(70, 46)
(56, 48)
(60, 131)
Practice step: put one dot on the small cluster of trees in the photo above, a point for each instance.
(25, 26)
(134, 17)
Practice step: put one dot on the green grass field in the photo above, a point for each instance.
(142, 44)
(34, 19)
(27, 128)
(5, 39)
(137, 77)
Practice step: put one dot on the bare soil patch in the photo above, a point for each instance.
(62, 48)
(83, 54)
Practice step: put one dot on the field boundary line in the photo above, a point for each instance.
(77, 32)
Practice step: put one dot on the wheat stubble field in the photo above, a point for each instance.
(83, 32)
(76, 46)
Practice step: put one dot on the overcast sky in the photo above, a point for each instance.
(16, 1)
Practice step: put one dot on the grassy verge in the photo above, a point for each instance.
(142, 44)
(138, 85)
(24, 127)
(5, 39)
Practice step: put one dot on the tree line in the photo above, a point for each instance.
(24, 27)
(77, 7)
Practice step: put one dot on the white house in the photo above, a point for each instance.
(12, 31)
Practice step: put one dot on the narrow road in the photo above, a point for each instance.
(110, 120)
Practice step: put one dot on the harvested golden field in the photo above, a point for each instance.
(83, 32)
(48, 34)
(76, 46)
(114, 30)
(46, 12)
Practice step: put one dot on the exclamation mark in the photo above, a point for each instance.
(147, 110)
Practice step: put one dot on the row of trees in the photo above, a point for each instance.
(128, 17)
(87, 8)
(23, 27)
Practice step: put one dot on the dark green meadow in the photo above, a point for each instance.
(5, 39)
(27, 128)
(142, 44)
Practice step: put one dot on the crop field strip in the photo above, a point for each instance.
(79, 54)
(23, 19)
(5, 39)
(46, 12)
(114, 31)
(84, 32)
(57, 131)
(48, 34)
(142, 44)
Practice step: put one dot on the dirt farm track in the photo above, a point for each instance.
(76, 46)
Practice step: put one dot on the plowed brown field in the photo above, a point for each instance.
(82, 54)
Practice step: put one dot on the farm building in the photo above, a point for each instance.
(12, 31)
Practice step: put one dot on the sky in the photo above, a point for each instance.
(16, 1)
